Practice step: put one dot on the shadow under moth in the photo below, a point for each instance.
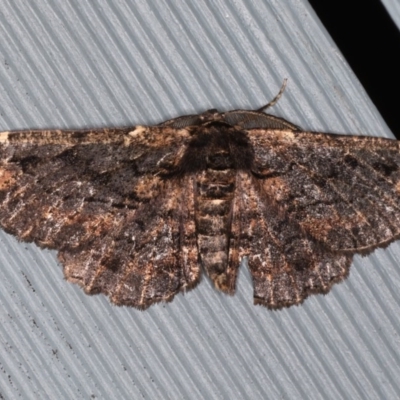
(137, 213)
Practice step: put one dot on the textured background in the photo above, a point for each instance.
(78, 64)
(393, 8)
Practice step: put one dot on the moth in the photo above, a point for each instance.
(138, 213)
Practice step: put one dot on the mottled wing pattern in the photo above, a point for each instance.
(286, 262)
(140, 257)
(312, 202)
(135, 212)
(99, 197)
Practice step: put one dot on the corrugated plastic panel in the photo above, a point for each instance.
(78, 64)
(393, 8)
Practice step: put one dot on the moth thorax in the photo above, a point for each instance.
(220, 159)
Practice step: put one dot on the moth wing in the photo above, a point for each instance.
(314, 200)
(286, 263)
(342, 190)
(100, 198)
(143, 256)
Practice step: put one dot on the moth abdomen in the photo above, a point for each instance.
(215, 193)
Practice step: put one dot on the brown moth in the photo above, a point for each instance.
(136, 213)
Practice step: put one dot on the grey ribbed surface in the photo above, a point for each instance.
(77, 64)
(393, 8)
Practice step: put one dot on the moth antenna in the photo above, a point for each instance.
(276, 98)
